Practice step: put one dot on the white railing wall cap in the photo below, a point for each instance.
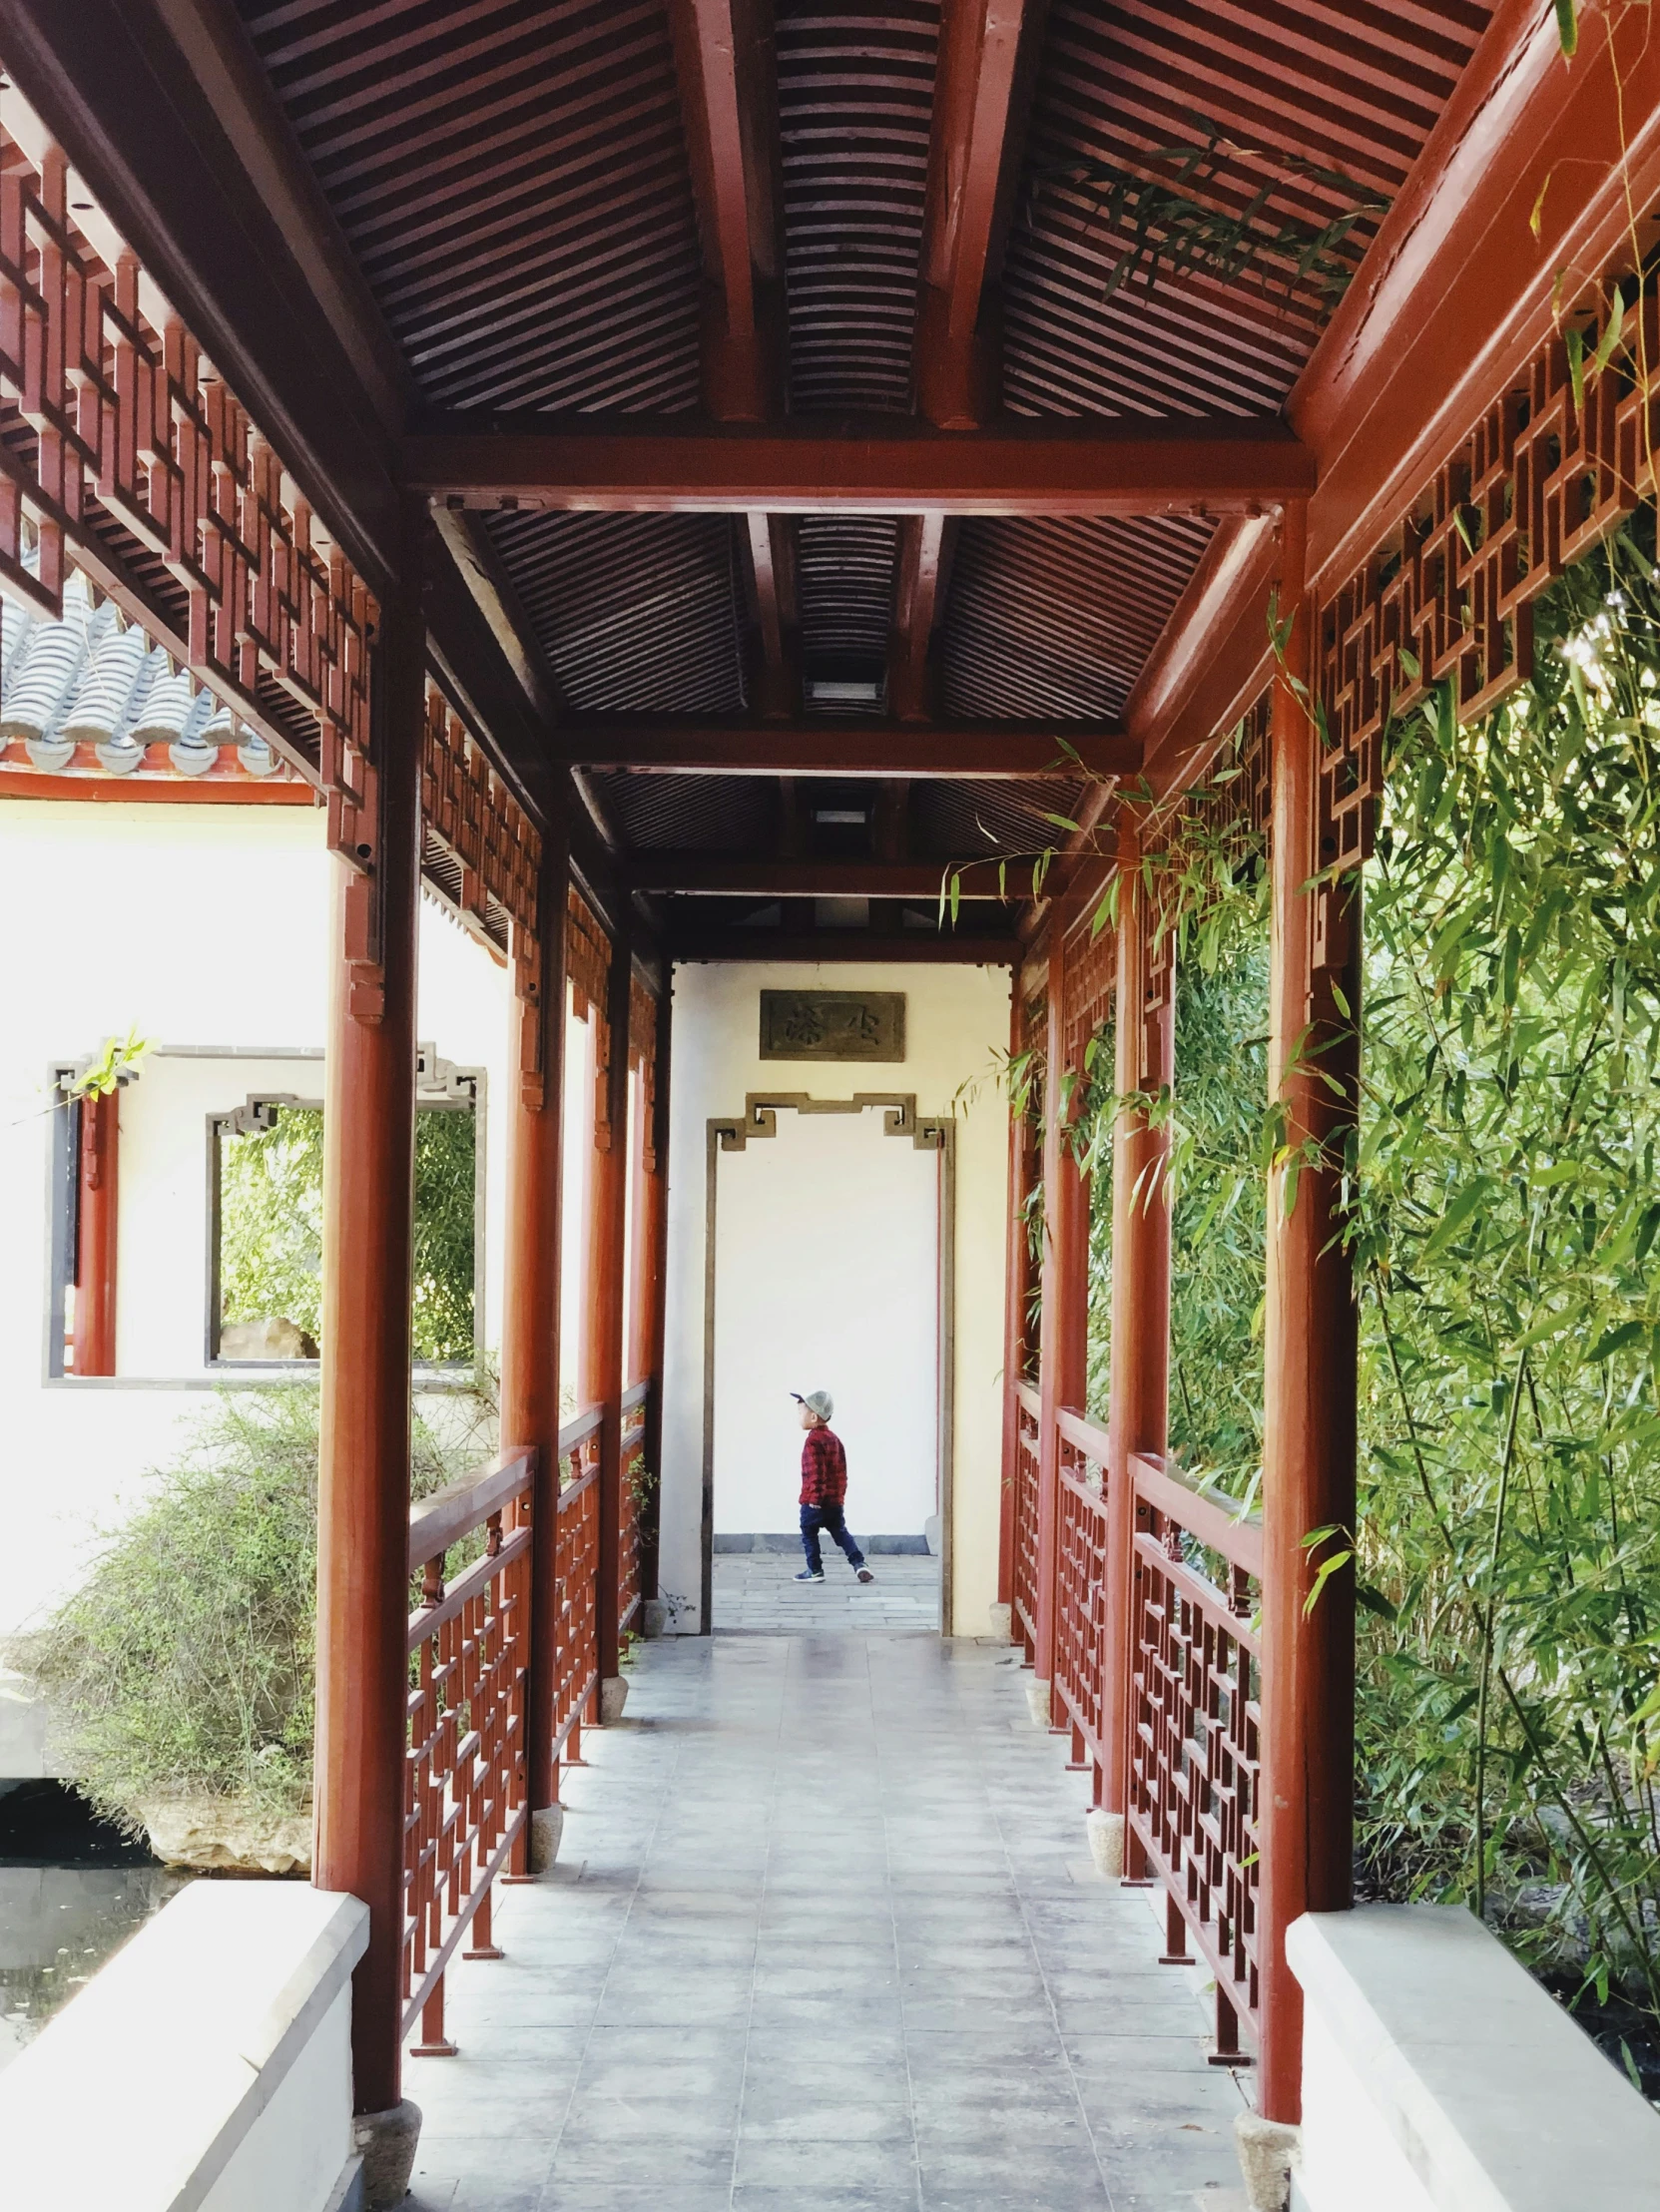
(1496, 2100)
(142, 2089)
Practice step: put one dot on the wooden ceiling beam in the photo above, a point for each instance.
(729, 105)
(919, 600)
(957, 947)
(976, 751)
(982, 87)
(1214, 465)
(719, 876)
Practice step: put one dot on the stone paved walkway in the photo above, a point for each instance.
(756, 1593)
(825, 1939)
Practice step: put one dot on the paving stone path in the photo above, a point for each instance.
(825, 1938)
(756, 1593)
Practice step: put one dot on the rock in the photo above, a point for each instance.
(1106, 1841)
(227, 1836)
(1038, 1700)
(613, 1697)
(657, 1618)
(547, 1825)
(273, 1337)
(1266, 2153)
(385, 2142)
(1002, 1623)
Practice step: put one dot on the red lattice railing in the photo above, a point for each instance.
(1195, 1719)
(1082, 1584)
(464, 1798)
(629, 1530)
(576, 1574)
(1027, 1425)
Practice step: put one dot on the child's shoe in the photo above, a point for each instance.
(807, 1575)
(864, 1575)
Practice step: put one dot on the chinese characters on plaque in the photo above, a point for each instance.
(832, 1025)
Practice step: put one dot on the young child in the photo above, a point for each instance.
(823, 1488)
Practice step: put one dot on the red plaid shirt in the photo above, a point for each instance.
(824, 1468)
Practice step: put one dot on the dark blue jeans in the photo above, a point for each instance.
(829, 1520)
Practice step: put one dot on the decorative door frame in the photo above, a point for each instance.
(932, 1132)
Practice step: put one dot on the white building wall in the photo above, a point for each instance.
(956, 1019)
(199, 926)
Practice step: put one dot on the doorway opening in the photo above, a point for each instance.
(829, 1263)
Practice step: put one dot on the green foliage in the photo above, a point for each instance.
(270, 1221)
(1510, 1468)
(447, 1164)
(270, 1227)
(185, 1663)
(1204, 208)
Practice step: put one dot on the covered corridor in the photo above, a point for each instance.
(821, 536)
(825, 1934)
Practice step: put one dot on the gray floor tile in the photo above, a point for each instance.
(818, 1947)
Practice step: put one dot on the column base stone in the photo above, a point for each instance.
(613, 1697)
(1038, 1700)
(547, 1825)
(1106, 1841)
(385, 2142)
(1266, 2153)
(1002, 1623)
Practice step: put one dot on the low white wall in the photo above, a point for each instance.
(1437, 2076)
(207, 2069)
(956, 1019)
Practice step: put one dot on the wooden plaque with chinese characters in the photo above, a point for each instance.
(832, 1025)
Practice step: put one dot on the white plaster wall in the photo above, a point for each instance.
(201, 926)
(956, 1018)
(827, 1277)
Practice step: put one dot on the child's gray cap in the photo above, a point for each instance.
(815, 1402)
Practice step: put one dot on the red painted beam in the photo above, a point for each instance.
(963, 948)
(1118, 467)
(710, 876)
(974, 152)
(953, 751)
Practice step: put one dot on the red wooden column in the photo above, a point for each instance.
(1143, 1049)
(363, 1461)
(651, 1283)
(1063, 1336)
(1306, 1817)
(530, 1313)
(602, 1347)
(97, 1203)
(1018, 1279)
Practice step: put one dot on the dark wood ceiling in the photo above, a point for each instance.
(535, 196)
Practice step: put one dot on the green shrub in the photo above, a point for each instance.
(185, 1664)
(270, 1227)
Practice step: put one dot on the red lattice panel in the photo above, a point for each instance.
(642, 1052)
(1081, 1592)
(1195, 1756)
(1538, 482)
(464, 1801)
(628, 1530)
(126, 420)
(576, 1571)
(588, 965)
(1089, 980)
(1025, 1513)
(467, 807)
